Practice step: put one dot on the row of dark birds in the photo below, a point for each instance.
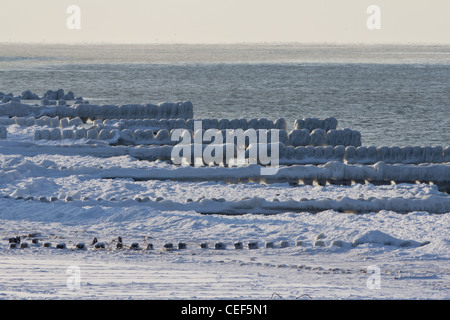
(16, 242)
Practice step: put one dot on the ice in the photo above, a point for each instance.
(280, 124)
(28, 95)
(79, 133)
(3, 132)
(328, 153)
(126, 137)
(6, 121)
(75, 122)
(299, 137)
(14, 108)
(289, 152)
(84, 111)
(162, 136)
(378, 237)
(68, 134)
(446, 154)
(103, 134)
(299, 153)
(313, 123)
(55, 134)
(77, 189)
(345, 137)
(92, 134)
(317, 137)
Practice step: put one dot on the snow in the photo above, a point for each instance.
(322, 227)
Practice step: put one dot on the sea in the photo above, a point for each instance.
(395, 95)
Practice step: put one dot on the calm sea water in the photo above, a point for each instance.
(394, 95)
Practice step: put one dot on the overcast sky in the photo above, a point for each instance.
(225, 21)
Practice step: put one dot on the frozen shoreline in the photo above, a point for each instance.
(331, 222)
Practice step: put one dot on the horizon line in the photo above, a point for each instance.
(225, 43)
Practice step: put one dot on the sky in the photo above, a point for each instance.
(225, 21)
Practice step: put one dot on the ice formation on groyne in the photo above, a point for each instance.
(87, 111)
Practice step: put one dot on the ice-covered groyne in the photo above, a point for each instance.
(50, 97)
(166, 110)
(206, 124)
(314, 123)
(159, 136)
(149, 128)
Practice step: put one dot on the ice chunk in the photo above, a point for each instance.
(68, 134)
(80, 133)
(298, 137)
(328, 152)
(361, 154)
(20, 121)
(339, 153)
(55, 134)
(138, 136)
(69, 96)
(64, 122)
(163, 124)
(283, 137)
(37, 135)
(309, 152)
(28, 95)
(350, 154)
(148, 135)
(355, 138)
(252, 124)
(437, 154)
(6, 121)
(280, 123)
(75, 122)
(378, 237)
(371, 154)
(382, 153)
(163, 135)
(289, 152)
(300, 153)
(126, 137)
(103, 134)
(314, 123)
(447, 154)
(45, 134)
(223, 124)
(393, 155)
(317, 137)
(15, 108)
(330, 123)
(92, 134)
(318, 152)
(345, 137)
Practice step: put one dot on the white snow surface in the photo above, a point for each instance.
(71, 203)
